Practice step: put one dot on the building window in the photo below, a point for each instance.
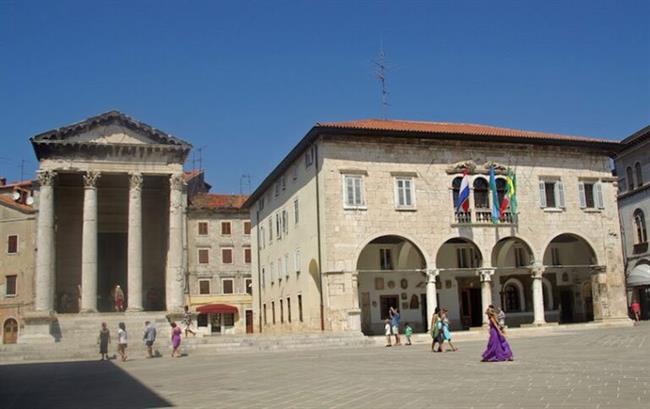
(225, 228)
(272, 272)
(281, 313)
(263, 277)
(286, 265)
(279, 272)
(591, 195)
(501, 191)
(296, 212)
(11, 286)
(455, 190)
(404, 193)
(309, 157)
(227, 286)
(551, 194)
(630, 178)
(481, 196)
(247, 227)
(226, 256)
(288, 309)
(273, 312)
(262, 237)
(555, 256)
(385, 259)
(639, 174)
(264, 309)
(12, 244)
(247, 255)
(204, 287)
(249, 286)
(278, 225)
(300, 308)
(353, 191)
(277, 189)
(260, 204)
(640, 227)
(285, 222)
(204, 256)
(228, 320)
(511, 298)
(203, 228)
(270, 230)
(297, 261)
(521, 259)
(466, 258)
(283, 182)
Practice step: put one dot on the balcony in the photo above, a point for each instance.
(482, 217)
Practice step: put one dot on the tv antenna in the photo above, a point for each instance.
(380, 63)
(245, 182)
(199, 159)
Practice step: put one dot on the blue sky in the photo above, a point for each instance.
(246, 80)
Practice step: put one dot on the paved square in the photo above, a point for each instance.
(589, 368)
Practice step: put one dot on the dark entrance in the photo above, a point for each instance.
(249, 321)
(10, 331)
(471, 314)
(111, 268)
(566, 306)
(386, 302)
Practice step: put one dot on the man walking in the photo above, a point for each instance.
(149, 337)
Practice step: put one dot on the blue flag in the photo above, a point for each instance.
(495, 196)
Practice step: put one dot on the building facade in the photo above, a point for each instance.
(360, 217)
(219, 264)
(633, 170)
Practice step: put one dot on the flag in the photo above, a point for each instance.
(509, 196)
(463, 194)
(495, 196)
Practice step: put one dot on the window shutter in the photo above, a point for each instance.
(542, 195)
(581, 194)
(560, 194)
(598, 194)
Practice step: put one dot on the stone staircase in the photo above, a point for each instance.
(77, 339)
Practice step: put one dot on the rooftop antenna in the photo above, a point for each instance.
(380, 63)
(200, 159)
(245, 181)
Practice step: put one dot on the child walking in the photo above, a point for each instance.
(387, 332)
(408, 331)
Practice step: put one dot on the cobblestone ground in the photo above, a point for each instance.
(589, 368)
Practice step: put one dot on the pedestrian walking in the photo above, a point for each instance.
(122, 341)
(149, 337)
(187, 321)
(176, 340)
(497, 348)
(387, 332)
(408, 332)
(446, 332)
(636, 311)
(118, 298)
(103, 340)
(436, 331)
(501, 319)
(394, 318)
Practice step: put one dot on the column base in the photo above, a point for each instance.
(88, 311)
(40, 328)
(617, 321)
(135, 309)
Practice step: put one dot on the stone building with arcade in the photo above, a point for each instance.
(360, 216)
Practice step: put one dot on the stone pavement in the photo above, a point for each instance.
(585, 368)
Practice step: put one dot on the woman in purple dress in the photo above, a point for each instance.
(497, 348)
(176, 340)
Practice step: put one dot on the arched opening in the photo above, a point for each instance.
(641, 234)
(639, 174)
(459, 289)
(10, 331)
(391, 271)
(569, 259)
(511, 254)
(481, 196)
(513, 296)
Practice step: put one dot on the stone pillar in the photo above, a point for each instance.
(45, 244)
(89, 244)
(175, 279)
(538, 296)
(599, 293)
(432, 300)
(134, 269)
(486, 291)
(354, 313)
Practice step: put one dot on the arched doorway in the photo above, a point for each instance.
(10, 331)
(569, 259)
(459, 288)
(391, 275)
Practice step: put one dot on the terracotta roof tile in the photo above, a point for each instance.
(450, 128)
(218, 201)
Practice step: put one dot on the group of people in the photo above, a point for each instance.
(149, 337)
(391, 328)
(440, 331)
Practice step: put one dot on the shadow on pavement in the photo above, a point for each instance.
(86, 384)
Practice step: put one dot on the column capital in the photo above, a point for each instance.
(432, 274)
(486, 274)
(46, 177)
(176, 181)
(537, 271)
(90, 179)
(135, 181)
(598, 269)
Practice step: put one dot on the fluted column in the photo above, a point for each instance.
(538, 296)
(486, 291)
(432, 301)
(45, 244)
(89, 244)
(175, 279)
(134, 268)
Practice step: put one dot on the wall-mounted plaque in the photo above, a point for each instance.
(404, 296)
(404, 283)
(415, 302)
(379, 283)
(391, 284)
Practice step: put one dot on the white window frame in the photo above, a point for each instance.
(223, 280)
(198, 228)
(270, 230)
(272, 272)
(199, 286)
(401, 193)
(248, 283)
(286, 265)
(262, 237)
(297, 261)
(358, 202)
(198, 256)
(296, 211)
(597, 192)
(285, 222)
(558, 191)
(15, 285)
(278, 225)
(17, 244)
(232, 255)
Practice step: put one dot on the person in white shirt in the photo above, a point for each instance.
(122, 341)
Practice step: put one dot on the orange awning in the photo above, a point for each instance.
(216, 309)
